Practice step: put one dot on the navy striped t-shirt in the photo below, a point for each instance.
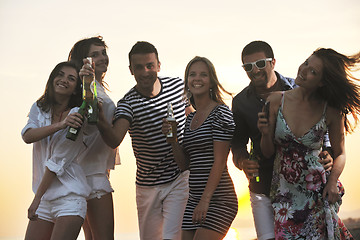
(154, 158)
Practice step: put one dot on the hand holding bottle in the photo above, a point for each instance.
(87, 69)
(250, 168)
(263, 119)
(171, 134)
(73, 132)
(253, 157)
(74, 120)
(169, 129)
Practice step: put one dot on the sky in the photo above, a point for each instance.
(36, 35)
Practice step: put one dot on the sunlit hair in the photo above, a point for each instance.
(255, 47)
(81, 50)
(340, 88)
(142, 47)
(216, 87)
(47, 100)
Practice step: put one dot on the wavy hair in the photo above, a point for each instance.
(81, 49)
(340, 89)
(217, 88)
(47, 100)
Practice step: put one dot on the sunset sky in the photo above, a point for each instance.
(36, 35)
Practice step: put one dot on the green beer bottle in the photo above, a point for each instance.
(254, 157)
(74, 132)
(93, 109)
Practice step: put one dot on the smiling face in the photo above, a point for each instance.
(260, 78)
(144, 67)
(310, 73)
(99, 55)
(198, 80)
(65, 81)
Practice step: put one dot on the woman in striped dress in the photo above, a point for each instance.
(212, 203)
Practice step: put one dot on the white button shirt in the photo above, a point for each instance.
(99, 157)
(59, 155)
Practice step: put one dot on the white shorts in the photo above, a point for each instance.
(161, 208)
(263, 214)
(71, 205)
(100, 185)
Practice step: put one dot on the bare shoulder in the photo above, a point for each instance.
(333, 115)
(275, 98)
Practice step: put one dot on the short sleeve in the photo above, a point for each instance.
(123, 110)
(223, 125)
(37, 118)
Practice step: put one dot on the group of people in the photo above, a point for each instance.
(183, 187)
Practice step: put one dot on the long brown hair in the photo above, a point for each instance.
(47, 100)
(340, 88)
(217, 88)
(81, 49)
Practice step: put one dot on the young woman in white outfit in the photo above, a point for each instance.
(59, 183)
(99, 158)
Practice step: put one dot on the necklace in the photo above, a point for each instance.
(200, 117)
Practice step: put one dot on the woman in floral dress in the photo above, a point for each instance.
(306, 199)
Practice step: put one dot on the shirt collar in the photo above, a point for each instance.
(285, 82)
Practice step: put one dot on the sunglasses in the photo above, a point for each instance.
(260, 64)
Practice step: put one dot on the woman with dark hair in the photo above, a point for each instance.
(212, 203)
(59, 183)
(305, 198)
(98, 158)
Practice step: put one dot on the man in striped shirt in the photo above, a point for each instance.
(161, 187)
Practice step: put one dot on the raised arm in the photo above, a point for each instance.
(267, 125)
(114, 134)
(181, 157)
(36, 134)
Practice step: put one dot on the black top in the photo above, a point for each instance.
(245, 107)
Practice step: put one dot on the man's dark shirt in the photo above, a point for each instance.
(245, 107)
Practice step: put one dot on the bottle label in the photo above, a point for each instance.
(90, 109)
(170, 133)
(73, 130)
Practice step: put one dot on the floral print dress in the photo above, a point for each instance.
(298, 182)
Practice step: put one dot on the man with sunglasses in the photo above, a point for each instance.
(259, 63)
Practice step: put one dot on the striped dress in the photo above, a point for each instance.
(219, 126)
(154, 158)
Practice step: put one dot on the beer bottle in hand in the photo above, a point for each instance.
(93, 109)
(171, 136)
(90, 96)
(74, 132)
(254, 157)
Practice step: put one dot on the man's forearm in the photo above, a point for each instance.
(239, 155)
